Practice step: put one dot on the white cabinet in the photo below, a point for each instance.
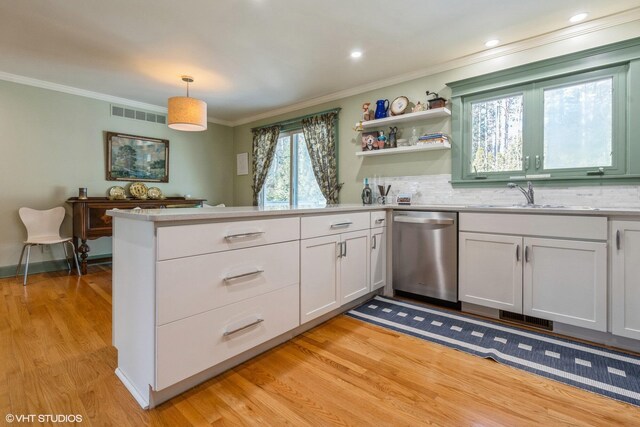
(354, 265)
(378, 258)
(193, 344)
(378, 273)
(491, 270)
(203, 295)
(319, 276)
(551, 278)
(198, 295)
(334, 270)
(625, 278)
(566, 281)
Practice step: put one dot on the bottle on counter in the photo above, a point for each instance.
(367, 195)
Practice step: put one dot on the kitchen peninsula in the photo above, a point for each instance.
(198, 291)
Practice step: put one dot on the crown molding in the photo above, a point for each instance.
(475, 58)
(14, 78)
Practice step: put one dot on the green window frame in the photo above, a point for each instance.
(619, 62)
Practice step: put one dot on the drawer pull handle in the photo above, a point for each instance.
(239, 276)
(379, 220)
(244, 235)
(341, 224)
(242, 328)
(415, 220)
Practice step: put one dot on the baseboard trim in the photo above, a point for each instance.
(134, 391)
(51, 265)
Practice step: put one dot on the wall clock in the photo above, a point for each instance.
(399, 105)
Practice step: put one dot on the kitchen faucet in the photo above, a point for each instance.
(527, 193)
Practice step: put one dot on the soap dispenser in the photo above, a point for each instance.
(367, 195)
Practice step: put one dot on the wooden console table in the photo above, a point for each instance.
(90, 220)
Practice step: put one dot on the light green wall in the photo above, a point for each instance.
(51, 143)
(353, 170)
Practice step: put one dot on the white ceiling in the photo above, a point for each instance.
(252, 56)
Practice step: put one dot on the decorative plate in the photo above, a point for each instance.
(155, 193)
(117, 192)
(138, 190)
(399, 105)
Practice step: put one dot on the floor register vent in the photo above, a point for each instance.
(527, 320)
(145, 116)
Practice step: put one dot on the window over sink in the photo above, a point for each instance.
(568, 119)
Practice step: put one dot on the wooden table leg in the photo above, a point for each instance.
(83, 250)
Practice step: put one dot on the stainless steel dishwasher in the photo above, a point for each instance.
(425, 254)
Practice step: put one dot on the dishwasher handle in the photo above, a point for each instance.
(419, 220)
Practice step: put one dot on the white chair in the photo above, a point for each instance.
(43, 228)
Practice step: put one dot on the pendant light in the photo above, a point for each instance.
(185, 113)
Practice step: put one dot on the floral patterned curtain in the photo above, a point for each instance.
(264, 147)
(319, 133)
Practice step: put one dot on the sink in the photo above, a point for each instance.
(535, 206)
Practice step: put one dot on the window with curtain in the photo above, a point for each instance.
(290, 179)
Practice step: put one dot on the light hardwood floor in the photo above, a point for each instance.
(56, 358)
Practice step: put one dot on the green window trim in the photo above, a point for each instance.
(620, 62)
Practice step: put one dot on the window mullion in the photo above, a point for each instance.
(293, 170)
(533, 139)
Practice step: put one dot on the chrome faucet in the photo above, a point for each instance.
(527, 193)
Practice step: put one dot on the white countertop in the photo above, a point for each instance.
(220, 213)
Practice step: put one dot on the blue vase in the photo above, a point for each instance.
(382, 108)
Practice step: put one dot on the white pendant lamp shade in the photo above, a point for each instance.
(186, 113)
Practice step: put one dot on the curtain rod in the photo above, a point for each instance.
(297, 119)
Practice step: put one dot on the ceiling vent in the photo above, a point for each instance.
(145, 116)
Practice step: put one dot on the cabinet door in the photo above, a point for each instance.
(625, 278)
(354, 265)
(490, 268)
(378, 258)
(319, 274)
(566, 281)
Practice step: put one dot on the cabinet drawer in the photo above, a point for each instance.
(196, 239)
(196, 343)
(323, 225)
(560, 226)
(192, 285)
(378, 219)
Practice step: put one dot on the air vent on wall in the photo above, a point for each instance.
(527, 320)
(130, 113)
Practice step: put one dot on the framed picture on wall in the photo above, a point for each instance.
(137, 158)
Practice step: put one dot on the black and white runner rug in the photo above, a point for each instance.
(597, 369)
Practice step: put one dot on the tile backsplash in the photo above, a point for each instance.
(436, 189)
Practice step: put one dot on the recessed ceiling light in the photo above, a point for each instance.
(577, 18)
(492, 43)
(356, 54)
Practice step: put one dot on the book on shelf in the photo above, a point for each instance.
(432, 141)
(433, 136)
